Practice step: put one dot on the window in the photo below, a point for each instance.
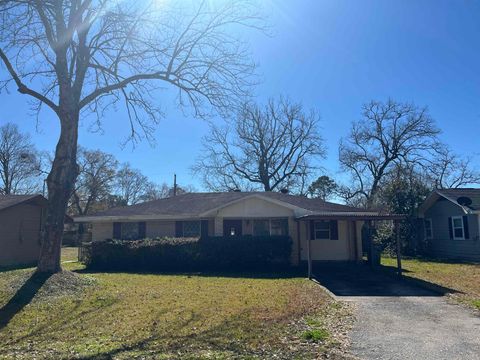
(261, 227)
(279, 227)
(428, 229)
(457, 226)
(191, 228)
(322, 230)
(129, 231)
(270, 227)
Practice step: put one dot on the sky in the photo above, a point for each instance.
(330, 55)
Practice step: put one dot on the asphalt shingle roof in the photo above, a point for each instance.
(454, 194)
(198, 203)
(7, 201)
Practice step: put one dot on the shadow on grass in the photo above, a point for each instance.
(17, 267)
(22, 297)
(230, 336)
(260, 274)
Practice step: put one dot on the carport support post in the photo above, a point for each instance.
(399, 248)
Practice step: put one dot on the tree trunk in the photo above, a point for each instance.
(60, 183)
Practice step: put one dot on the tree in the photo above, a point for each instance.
(97, 171)
(267, 148)
(389, 134)
(131, 185)
(80, 57)
(404, 190)
(324, 188)
(20, 163)
(449, 170)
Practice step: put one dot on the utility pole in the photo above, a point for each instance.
(174, 184)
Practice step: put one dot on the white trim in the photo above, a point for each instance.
(453, 228)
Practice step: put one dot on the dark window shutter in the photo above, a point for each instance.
(178, 228)
(312, 230)
(333, 230)
(142, 230)
(450, 227)
(465, 227)
(117, 230)
(204, 228)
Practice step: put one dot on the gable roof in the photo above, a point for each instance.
(7, 201)
(453, 195)
(200, 204)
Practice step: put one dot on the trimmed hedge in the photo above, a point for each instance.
(236, 253)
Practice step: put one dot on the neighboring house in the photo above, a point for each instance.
(451, 223)
(21, 221)
(330, 231)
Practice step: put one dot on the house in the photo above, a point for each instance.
(21, 221)
(451, 223)
(319, 230)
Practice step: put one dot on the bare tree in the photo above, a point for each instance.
(266, 148)
(94, 183)
(449, 170)
(131, 185)
(154, 191)
(389, 134)
(79, 57)
(20, 163)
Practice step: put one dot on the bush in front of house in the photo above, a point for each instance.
(235, 253)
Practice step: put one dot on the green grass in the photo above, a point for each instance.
(315, 335)
(155, 316)
(464, 278)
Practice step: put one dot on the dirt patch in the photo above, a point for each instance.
(64, 283)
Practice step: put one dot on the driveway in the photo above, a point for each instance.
(399, 320)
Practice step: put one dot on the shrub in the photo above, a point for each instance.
(186, 254)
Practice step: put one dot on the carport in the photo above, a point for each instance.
(308, 223)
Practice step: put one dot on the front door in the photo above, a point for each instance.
(232, 227)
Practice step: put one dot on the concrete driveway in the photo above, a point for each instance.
(399, 320)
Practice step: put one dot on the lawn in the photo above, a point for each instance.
(461, 277)
(79, 315)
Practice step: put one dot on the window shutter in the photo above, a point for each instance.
(142, 230)
(204, 229)
(117, 230)
(465, 227)
(333, 230)
(178, 228)
(450, 227)
(312, 230)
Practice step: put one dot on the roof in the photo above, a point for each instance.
(453, 195)
(198, 204)
(7, 201)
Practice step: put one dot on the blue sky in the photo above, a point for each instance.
(331, 55)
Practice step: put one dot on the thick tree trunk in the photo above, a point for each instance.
(60, 184)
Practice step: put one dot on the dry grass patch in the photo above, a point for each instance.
(152, 316)
(461, 277)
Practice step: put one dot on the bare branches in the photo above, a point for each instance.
(271, 148)
(449, 170)
(92, 54)
(389, 134)
(19, 162)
